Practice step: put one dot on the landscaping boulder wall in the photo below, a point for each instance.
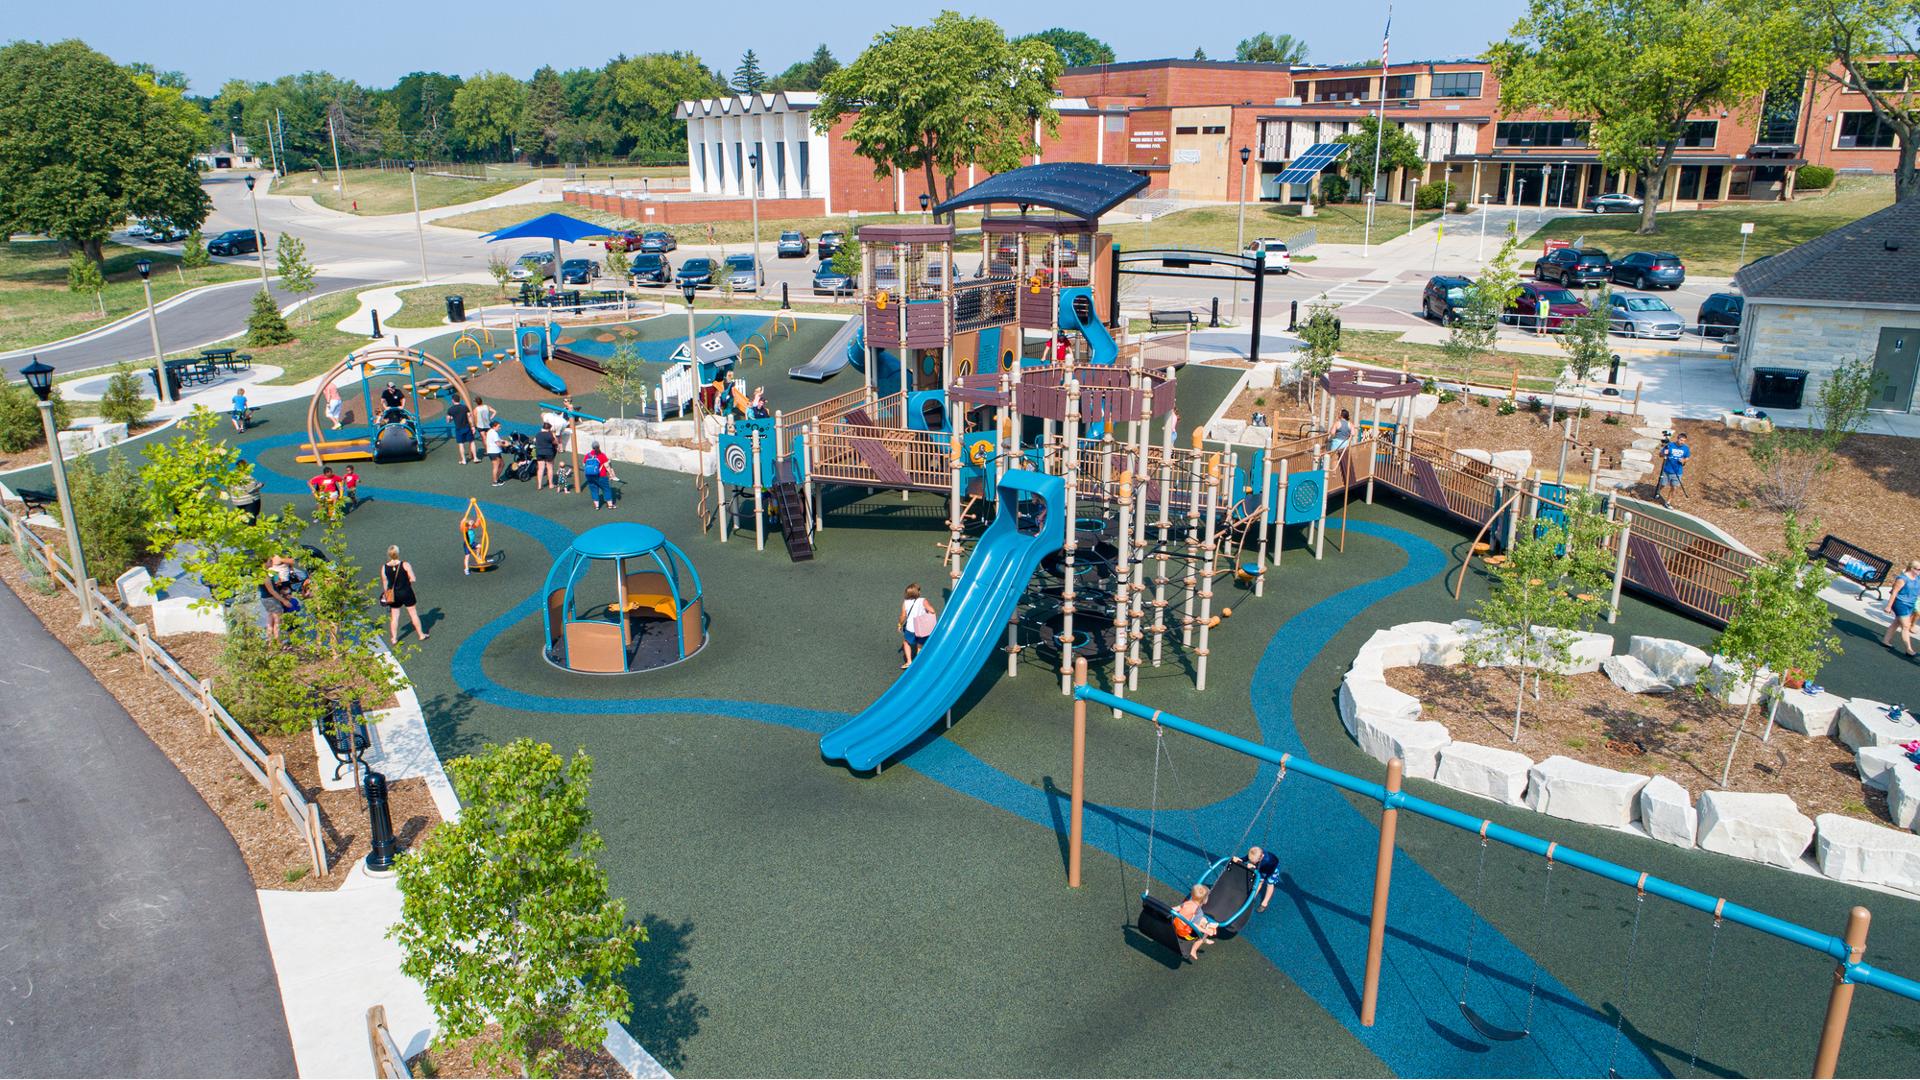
(1564, 788)
(1394, 648)
(1417, 743)
(136, 588)
(103, 434)
(1486, 771)
(74, 443)
(1667, 813)
(1725, 683)
(1849, 849)
(1673, 662)
(1754, 825)
(1864, 722)
(185, 615)
(1586, 653)
(1629, 673)
(1368, 700)
(1440, 644)
(1876, 765)
(1903, 798)
(1808, 714)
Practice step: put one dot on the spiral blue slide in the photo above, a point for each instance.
(1077, 313)
(1030, 524)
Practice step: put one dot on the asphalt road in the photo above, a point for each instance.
(130, 935)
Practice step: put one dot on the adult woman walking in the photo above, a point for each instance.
(1904, 599)
(545, 448)
(598, 473)
(396, 592)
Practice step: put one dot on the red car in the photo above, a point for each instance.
(1561, 304)
(623, 240)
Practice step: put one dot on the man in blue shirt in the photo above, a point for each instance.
(1673, 463)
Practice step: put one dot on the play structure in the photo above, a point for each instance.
(1156, 918)
(649, 615)
(535, 347)
(476, 539)
(393, 434)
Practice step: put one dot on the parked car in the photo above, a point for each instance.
(579, 272)
(1574, 266)
(933, 272)
(533, 266)
(656, 242)
(161, 231)
(831, 282)
(697, 272)
(1720, 315)
(1638, 315)
(649, 270)
(1561, 306)
(1618, 202)
(623, 240)
(1279, 259)
(1645, 269)
(742, 274)
(830, 243)
(1444, 297)
(792, 245)
(235, 242)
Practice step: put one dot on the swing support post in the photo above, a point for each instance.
(1840, 998)
(1382, 878)
(1078, 799)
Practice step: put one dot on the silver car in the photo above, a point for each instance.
(1639, 315)
(533, 266)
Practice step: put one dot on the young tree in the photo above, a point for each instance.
(189, 517)
(1398, 150)
(193, 253)
(1637, 71)
(83, 276)
(1777, 621)
(1320, 341)
(1077, 48)
(623, 378)
(940, 96)
(1587, 343)
(847, 260)
(749, 77)
(265, 325)
(1875, 45)
(84, 143)
(501, 271)
(807, 74)
(125, 400)
(1475, 330)
(505, 917)
(335, 636)
(488, 109)
(617, 264)
(295, 272)
(108, 508)
(1265, 48)
(1792, 459)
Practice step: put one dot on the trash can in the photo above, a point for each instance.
(456, 308)
(1777, 388)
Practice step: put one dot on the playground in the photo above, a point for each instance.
(847, 868)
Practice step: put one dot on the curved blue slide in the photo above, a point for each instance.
(536, 368)
(969, 631)
(1100, 346)
(886, 374)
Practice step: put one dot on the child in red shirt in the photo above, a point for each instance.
(326, 490)
(350, 487)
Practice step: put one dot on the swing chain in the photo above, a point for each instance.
(1473, 925)
(1546, 904)
(1706, 989)
(1626, 985)
(1153, 811)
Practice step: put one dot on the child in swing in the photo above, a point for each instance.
(1191, 924)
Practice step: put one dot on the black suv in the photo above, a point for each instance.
(1445, 298)
(1574, 266)
(650, 270)
(234, 242)
(1720, 315)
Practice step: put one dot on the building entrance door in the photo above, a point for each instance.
(1895, 367)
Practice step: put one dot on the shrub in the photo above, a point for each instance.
(258, 683)
(1333, 188)
(125, 400)
(1428, 386)
(1460, 206)
(1507, 407)
(108, 508)
(20, 427)
(1432, 196)
(193, 254)
(266, 326)
(1448, 397)
(1611, 418)
(1534, 404)
(83, 276)
(1813, 178)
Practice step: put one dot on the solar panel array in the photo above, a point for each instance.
(1309, 165)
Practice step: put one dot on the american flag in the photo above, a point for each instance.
(1386, 39)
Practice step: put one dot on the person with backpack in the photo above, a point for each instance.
(597, 471)
(917, 620)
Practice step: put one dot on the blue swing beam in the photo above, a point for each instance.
(1851, 971)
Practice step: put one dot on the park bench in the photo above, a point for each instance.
(346, 735)
(1856, 564)
(35, 502)
(1175, 317)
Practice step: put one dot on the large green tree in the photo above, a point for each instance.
(1397, 149)
(1874, 46)
(1077, 47)
(1637, 70)
(84, 143)
(489, 109)
(649, 87)
(543, 123)
(1265, 48)
(749, 77)
(937, 97)
(807, 74)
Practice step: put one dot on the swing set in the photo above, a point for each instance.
(1846, 949)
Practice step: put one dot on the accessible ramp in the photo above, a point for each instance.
(1077, 313)
(833, 356)
(1029, 525)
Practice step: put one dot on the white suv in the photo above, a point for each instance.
(1279, 260)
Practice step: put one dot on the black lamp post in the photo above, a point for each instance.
(418, 229)
(39, 378)
(753, 196)
(259, 238)
(924, 201)
(162, 389)
(1246, 155)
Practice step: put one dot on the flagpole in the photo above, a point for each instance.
(1379, 135)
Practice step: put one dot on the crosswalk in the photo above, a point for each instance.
(1349, 293)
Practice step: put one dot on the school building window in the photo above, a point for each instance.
(1213, 129)
(1700, 133)
(1186, 131)
(1863, 130)
(1456, 84)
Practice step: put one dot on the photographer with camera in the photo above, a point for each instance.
(1674, 453)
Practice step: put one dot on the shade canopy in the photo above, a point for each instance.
(1071, 187)
(549, 227)
(618, 540)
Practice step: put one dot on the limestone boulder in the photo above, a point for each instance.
(74, 443)
(1367, 666)
(1441, 644)
(1564, 788)
(102, 435)
(185, 615)
(1877, 764)
(1808, 714)
(1486, 771)
(1854, 850)
(1723, 681)
(136, 588)
(1667, 813)
(675, 458)
(1395, 649)
(1585, 653)
(1423, 405)
(1629, 673)
(1865, 722)
(1516, 462)
(1903, 797)
(1673, 662)
(1756, 826)
(1370, 699)
(1417, 743)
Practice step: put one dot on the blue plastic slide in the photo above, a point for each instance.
(529, 347)
(1029, 525)
(1099, 343)
(886, 375)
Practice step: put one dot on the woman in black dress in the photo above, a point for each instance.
(545, 448)
(396, 592)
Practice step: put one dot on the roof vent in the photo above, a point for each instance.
(1892, 244)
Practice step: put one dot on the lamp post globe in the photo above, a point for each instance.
(249, 182)
(924, 203)
(145, 266)
(39, 376)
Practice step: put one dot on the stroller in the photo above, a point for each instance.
(521, 447)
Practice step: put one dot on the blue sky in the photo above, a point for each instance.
(376, 43)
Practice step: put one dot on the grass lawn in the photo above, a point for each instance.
(1386, 348)
(1214, 228)
(36, 307)
(427, 305)
(592, 172)
(317, 345)
(386, 192)
(1709, 240)
(722, 232)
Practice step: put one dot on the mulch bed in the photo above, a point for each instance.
(275, 854)
(1683, 735)
(456, 1059)
(37, 455)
